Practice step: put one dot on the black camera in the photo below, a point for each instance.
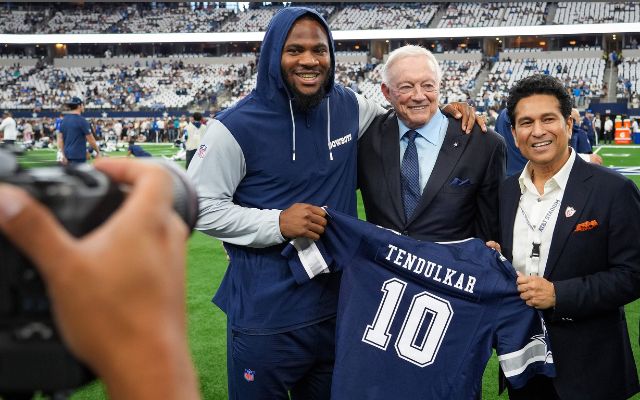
(32, 355)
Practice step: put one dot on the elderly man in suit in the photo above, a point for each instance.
(571, 230)
(418, 172)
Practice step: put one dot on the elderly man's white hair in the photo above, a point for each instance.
(410, 50)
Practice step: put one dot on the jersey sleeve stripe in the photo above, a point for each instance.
(516, 362)
(312, 259)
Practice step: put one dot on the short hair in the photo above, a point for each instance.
(197, 116)
(410, 50)
(539, 84)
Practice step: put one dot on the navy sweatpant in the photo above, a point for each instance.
(298, 362)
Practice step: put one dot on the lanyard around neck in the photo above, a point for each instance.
(535, 245)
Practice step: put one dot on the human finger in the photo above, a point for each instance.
(452, 110)
(470, 119)
(318, 220)
(494, 245)
(151, 179)
(482, 123)
(315, 228)
(150, 196)
(318, 210)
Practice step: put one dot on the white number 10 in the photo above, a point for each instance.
(424, 352)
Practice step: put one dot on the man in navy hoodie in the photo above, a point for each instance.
(261, 171)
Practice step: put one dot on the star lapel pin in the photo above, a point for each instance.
(455, 144)
(569, 212)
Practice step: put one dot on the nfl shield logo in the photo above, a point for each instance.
(569, 212)
(249, 375)
(202, 150)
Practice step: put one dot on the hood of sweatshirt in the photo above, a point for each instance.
(270, 83)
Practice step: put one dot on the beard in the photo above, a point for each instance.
(305, 102)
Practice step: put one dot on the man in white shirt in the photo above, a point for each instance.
(9, 128)
(608, 130)
(566, 225)
(117, 129)
(194, 132)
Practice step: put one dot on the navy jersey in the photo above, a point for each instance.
(74, 130)
(138, 151)
(419, 319)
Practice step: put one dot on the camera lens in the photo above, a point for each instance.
(185, 198)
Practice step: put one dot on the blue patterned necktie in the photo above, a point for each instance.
(410, 175)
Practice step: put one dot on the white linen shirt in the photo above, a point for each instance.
(536, 207)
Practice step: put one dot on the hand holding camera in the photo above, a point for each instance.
(117, 291)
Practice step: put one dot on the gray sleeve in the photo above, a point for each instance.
(216, 173)
(369, 109)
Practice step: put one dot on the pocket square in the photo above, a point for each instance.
(460, 182)
(586, 226)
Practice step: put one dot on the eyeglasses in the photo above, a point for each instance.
(407, 88)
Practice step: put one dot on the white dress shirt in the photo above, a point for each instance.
(536, 218)
(428, 143)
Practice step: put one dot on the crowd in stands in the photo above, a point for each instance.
(159, 17)
(179, 19)
(583, 77)
(384, 16)
(250, 21)
(155, 85)
(21, 21)
(140, 17)
(569, 12)
(472, 14)
(100, 19)
(256, 20)
(152, 86)
(628, 78)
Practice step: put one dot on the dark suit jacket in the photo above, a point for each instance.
(594, 264)
(450, 208)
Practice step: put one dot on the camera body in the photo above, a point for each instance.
(32, 354)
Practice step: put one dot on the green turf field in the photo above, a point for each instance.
(207, 263)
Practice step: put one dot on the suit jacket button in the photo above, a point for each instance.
(406, 233)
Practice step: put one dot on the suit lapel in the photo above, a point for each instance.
(452, 148)
(390, 149)
(508, 215)
(576, 194)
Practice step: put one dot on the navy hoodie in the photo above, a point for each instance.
(260, 157)
(515, 159)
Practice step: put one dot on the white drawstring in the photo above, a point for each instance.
(293, 133)
(329, 130)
